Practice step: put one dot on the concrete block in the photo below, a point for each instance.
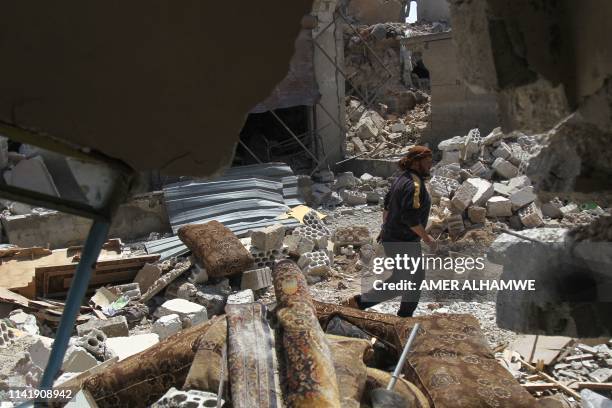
(503, 150)
(298, 244)
(455, 225)
(358, 145)
(516, 183)
(147, 276)
(167, 325)
(504, 168)
(477, 215)
(256, 279)
(484, 190)
(531, 216)
(478, 169)
(187, 399)
(502, 189)
(24, 321)
(212, 298)
(95, 344)
(495, 136)
(451, 156)
(112, 327)
(268, 238)
(601, 375)
(345, 180)
(366, 129)
(456, 143)
(498, 206)
(124, 347)
(522, 197)
(464, 195)
(190, 313)
(242, 297)
(77, 360)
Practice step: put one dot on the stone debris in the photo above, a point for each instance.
(190, 313)
(238, 298)
(113, 327)
(167, 325)
(256, 279)
(7, 336)
(24, 321)
(269, 238)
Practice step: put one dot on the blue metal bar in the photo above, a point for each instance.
(91, 251)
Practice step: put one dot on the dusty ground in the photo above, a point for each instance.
(347, 282)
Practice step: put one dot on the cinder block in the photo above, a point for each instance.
(256, 279)
(463, 196)
(498, 206)
(183, 399)
(268, 238)
(503, 150)
(113, 327)
(484, 190)
(531, 216)
(298, 244)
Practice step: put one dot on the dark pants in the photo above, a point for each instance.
(410, 299)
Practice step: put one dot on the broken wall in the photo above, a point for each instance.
(432, 10)
(455, 109)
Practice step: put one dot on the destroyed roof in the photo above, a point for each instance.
(243, 198)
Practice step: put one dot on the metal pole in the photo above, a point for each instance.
(402, 360)
(250, 151)
(91, 250)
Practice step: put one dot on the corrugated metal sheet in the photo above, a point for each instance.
(243, 198)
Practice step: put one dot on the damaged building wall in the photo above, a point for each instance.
(171, 81)
(328, 55)
(432, 10)
(455, 109)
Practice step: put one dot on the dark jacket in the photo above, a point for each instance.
(408, 206)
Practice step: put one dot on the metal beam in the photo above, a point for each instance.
(294, 136)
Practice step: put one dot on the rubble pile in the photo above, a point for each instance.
(480, 179)
(390, 134)
(572, 368)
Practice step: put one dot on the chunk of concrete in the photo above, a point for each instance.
(124, 347)
(77, 360)
(40, 351)
(351, 197)
(464, 195)
(398, 126)
(298, 244)
(522, 197)
(531, 216)
(242, 297)
(516, 183)
(113, 327)
(451, 156)
(504, 168)
(366, 129)
(484, 190)
(551, 210)
(187, 399)
(502, 189)
(477, 215)
(498, 206)
(455, 225)
(190, 313)
(455, 143)
(571, 208)
(24, 321)
(147, 275)
(256, 279)
(167, 325)
(503, 150)
(269, 238)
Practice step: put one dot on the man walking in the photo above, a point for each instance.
(405, 216)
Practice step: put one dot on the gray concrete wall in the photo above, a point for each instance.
(455, 109)
(330, 82)
(135, 219)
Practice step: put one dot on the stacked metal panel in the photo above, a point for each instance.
(244, 198)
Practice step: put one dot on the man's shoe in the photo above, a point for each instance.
(352, 302)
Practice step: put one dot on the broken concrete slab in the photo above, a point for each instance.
(298, 244)
(455, 143)
(191, 313)
(191, 398)
(24, 321)
(520, 198)
(484, 190)
(464, 195)
(112, 327)
(167, 325)
(124, 347)
(77, 359)
(503, 150)
(147, 276)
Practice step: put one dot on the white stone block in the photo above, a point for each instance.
(268, 238)
(456, 143)
(484, 190)
(189, 312)
(167, 325)
(24, 321)
(463, 196)
(498, 206)
(77, 360)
